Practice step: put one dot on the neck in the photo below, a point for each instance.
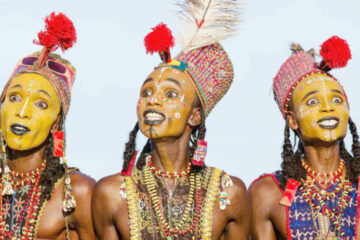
(24, 161)
(171, 154)
(323, 158)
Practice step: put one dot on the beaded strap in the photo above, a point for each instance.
(132, 202)
(210, 199)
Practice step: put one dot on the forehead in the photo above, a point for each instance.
(317, 82)
(162, 73)
(32, 79)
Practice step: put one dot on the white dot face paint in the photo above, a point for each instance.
(177, 115)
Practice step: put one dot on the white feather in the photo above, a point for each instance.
(219, 19)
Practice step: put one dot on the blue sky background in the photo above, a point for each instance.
(245, 130)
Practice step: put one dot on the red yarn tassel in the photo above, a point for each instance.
(289, 193)
(131, 166)
(336, 53)
(160, 40)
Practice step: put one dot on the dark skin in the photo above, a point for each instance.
(110, 211)
(52, 221)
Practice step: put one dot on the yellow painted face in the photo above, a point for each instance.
(29, 111)
(321, 109)
(165, 103)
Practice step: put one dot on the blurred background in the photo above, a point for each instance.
(245, 130)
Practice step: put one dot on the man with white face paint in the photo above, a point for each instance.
(171, 193)
(314, 196)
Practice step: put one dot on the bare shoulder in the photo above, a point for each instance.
(107, 190)
(265, 191)
(82, 184)
(238, 189)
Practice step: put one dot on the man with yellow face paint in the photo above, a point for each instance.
(171, 194)
(38, 192)
(315, 195)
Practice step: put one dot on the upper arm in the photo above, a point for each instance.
(238, 211)
(261, 200)
(82, 189)
(103, 209)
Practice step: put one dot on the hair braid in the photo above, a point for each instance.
(130, 147)
(291, 164)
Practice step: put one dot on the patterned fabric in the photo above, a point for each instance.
(296, 67)
(61, 83)
(144, 224)
(211, 71)
(14, 206)
(300, 218)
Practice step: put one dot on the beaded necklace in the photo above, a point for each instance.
(183, 226)
(162, 173)
(24, 227)
(317, 198)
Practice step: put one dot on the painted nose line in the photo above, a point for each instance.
(24, 108)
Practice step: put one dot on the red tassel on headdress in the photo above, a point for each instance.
(131, 166)
(335, 53)
(160, 40)
(58, 143)
(59, 33)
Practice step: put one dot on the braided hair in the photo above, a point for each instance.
(291, 164)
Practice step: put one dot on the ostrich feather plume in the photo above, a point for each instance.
(207, 22)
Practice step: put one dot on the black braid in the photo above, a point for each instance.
(355, 160)
(146, 151)
(291, 164)
(130, 147)
(53, 170)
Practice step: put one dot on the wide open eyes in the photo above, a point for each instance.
(312, 102)
(171, 94)
(41, 104)
(337, 100)
(146, 93)
(14, 98)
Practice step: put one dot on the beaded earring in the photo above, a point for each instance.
(7, 188)
(69, 202)
(200, 153)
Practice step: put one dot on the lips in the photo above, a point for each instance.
(153, 117)
(328, 122)
(19, 129)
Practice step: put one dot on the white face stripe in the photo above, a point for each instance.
(24, 107)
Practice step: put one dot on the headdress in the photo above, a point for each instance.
(202, 57)
(335, 53)
(59, 33)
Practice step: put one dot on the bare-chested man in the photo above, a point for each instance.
(38, 192)
(171, 194)
(314, 196)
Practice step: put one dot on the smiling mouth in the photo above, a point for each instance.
(328, 122)
(19, 129)
(153, 117)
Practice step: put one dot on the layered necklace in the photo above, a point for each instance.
(23, 226)
(315, 190)
(187, 223)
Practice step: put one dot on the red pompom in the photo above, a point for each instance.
(59, 32)
(335, 52)
(160, 39)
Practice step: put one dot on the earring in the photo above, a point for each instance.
(200, 153)
(58, 143)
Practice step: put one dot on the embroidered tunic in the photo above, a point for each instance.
(143, 223)
(300, 219)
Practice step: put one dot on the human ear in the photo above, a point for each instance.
(56, 124)
(292, 122)
(195, 117)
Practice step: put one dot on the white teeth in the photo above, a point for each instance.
(328, 123)
(153, 116)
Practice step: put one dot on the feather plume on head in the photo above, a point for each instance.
(209, 21)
